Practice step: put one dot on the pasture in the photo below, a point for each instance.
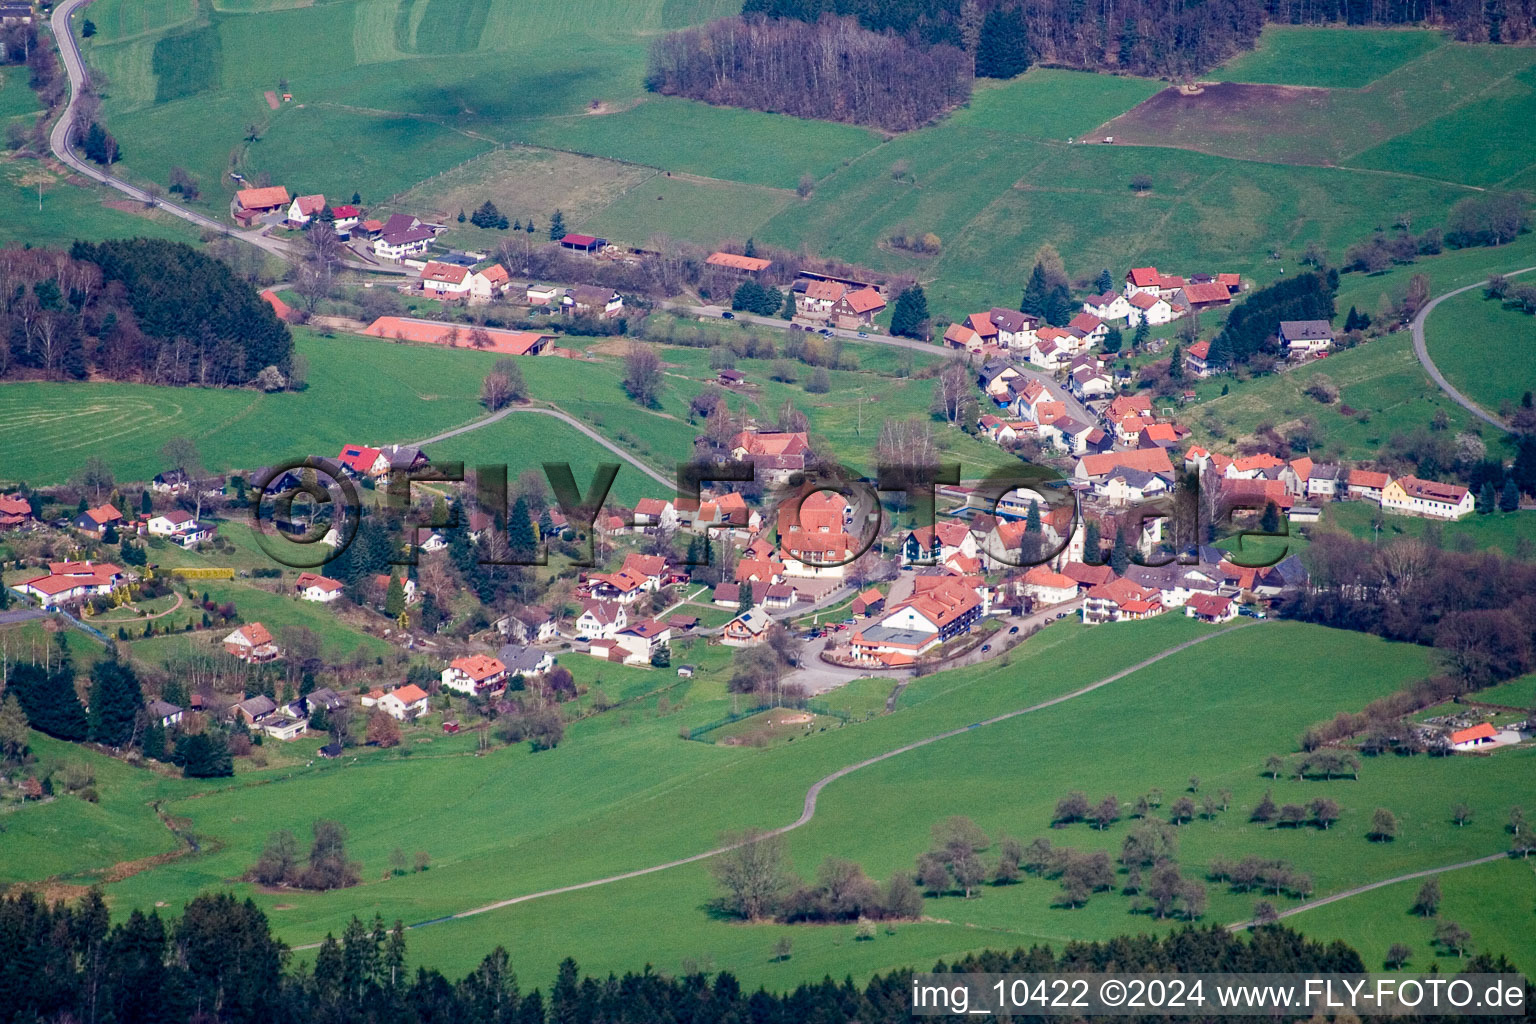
(1500, 531)
(1326, 58)
(1381, 383)
(1519, 693)
(1478, 344)
(648, 796)
(386, 98)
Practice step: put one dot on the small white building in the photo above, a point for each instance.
(314, 587)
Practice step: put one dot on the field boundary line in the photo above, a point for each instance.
(808, 807)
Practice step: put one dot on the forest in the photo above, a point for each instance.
(220, 961)
(1159, 38)
(137, 310)
(832, 69)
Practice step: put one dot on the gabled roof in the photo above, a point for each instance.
(1087, 575)
(1484, 731)
(959, 334)
(253, 633)
(1200, 350)
(1210, 604)
(358, 458)
(103, 514)
(1143, 277)
(1144, 300)
(864, 300)
(262, 198)
(1305, 330)
(1086, 322)
(1432, 490)
(410, 693)
(1042, 576)
(325, 583)
(825, 291)
(735, 262)
(1212, 292)
(444, 273)
(1150, 460)
(575, 239)
(310, 205)
(1368, 478)
(1012, 320)
(478, 666)
(344, 211)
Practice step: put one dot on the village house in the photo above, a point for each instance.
(1096, 469)
(591, 300)
(303, 209)
(1202, 295)
(252, 204)
(1151, 308)
(180, 527)
(67, 582)
(1015, 330)
(542, 294)
(172, 481)
(404, 704)
(282, 726)
(1211, 608)
(1367, 485)
(813, 538)
(857, 309)
(488, 284)
(1302, 338)
(95, 521)
(1197, 360)
(657, 512)
(445, 280)
(401, 237)
(1323, 481)
(635, 644)
(164, 712)
(775, 455)
(1295, 474)
(1254, 467)
(1109, 306)
(253, 709)
(1088, 329)
(747, 629)
(475, 674)
(1175, 583)
(521, 660)
(252, 643)
(1481, 735)
(530, 624)
(917, 625)
(314, 587)
(346, 218)
(1044, 586)
(962, 339)
(14, 510)
(935, 544)
(1410, 495)
(1120, 601)
(600, 620)
(360, 460)
(815, 300)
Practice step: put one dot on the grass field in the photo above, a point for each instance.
(647, 796)
(1326, 58)
(1381, 381)
(1478, 345)
(1520, 693)
(1497, 530)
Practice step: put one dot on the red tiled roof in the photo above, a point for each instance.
(1148, 460)
(575, 239)
(1477, 732)
(864, 300)
(1432, 490)
(254, 633)
(310, 205)
(1210, 604)
(325, 583)
(825, 291)
(477, 666)
(410, 693)
(1200, 349)
(732, 260)
(358, 458)
(1367, 478)
(446, 273)
(1212, 292)
(344, 211)
(262, 198)
(1143, 277)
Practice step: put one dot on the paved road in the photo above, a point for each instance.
(496, 417)
(1357, 890)
(21, 615)
(1421, 349)
(59, 142)
(808, 806)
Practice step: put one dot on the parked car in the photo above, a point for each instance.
(727, 315)
(863, 334)
(1013, 629)
(825, 330)
(985, 648)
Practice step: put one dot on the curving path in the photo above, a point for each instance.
(566, 418)
(1421, 349)
(1357, 890)
(808, 807)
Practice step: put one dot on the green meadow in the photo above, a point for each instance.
(1326, 58)
(1482, 348)
(1500, 531)
(386, 96)
(1520, 693)
(646, 796)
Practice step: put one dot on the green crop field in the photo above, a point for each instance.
(1328, 58)
(647, 796)
(1478, 345)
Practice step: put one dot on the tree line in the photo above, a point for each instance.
(1252, 325)
(219, 960)
(1162, 38)
(831, 69)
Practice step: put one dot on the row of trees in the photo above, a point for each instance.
(1251, 326)
(69, 962)
(830, 69)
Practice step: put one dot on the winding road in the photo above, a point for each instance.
(59, 142)
(566, 418)
(1421, 349)
(812, 795)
